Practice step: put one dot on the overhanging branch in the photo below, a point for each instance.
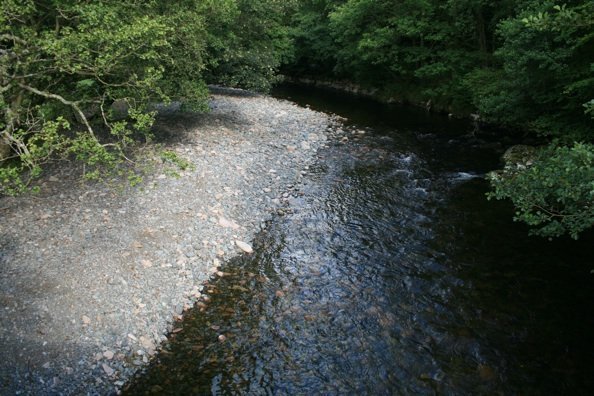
(61, 99)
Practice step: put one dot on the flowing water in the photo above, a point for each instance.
(392, 274)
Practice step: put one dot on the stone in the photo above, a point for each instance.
(108, 355)
(305, 145)
(226, 223)
(108, 370)
(147, 343)
(244, 247)
(86, 320)
(519, 156)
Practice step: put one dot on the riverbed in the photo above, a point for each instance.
(390, 273)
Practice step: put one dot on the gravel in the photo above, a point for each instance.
(92, 277)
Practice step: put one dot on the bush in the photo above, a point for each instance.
(555, 194)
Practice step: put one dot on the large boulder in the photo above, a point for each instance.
(519, 157)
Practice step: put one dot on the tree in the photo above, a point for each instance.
(249, 42)
(547, 85)
(78, 79)
(63, 63)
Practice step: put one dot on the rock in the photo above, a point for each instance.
(86, 320)
(108, 370)
(108, 355)
(119, 109)
(519, 156)
(225, 223)
(147, 343)
(222, 338)
(244, 246)
(305, 145)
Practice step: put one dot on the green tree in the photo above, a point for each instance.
(547, 85)
(545, 76)
(555, 194)
(78, 79)
(248, 42)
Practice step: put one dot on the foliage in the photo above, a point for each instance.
(555, 194)
(78, 79)
(546, 74)
(425, 47)
(249, 42)
(171, 157)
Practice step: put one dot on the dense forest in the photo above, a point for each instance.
(68, 67)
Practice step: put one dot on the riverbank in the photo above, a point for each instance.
(93, 277)
(388, 95)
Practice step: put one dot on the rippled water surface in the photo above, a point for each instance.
(391, 275)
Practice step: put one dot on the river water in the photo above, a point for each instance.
(391, 275)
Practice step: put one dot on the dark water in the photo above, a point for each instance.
(392, 275)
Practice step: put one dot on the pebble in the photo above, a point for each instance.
(135, 254)
(223, 222)
(244, 246)
(108, 370)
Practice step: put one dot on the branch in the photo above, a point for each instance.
(8, 37)
(59, 98)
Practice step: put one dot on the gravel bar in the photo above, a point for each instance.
(93, 276)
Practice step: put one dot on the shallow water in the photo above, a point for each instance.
(391, 275)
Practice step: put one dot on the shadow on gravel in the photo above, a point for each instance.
(218, 90)
(173, 125)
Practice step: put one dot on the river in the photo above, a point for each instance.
(392, 274)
